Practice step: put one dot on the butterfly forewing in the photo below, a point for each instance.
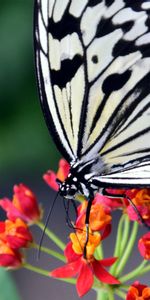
(93, 65)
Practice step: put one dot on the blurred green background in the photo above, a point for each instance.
(26, 148)
(25, 144)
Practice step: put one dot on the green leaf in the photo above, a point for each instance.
(8, 288)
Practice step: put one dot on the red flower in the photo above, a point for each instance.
(9, 257)
(16, 233)
(109, 203)
(84, 270)
(62, 173)
(144, 246)
(24, 205)
(143, 211)
(138, 291)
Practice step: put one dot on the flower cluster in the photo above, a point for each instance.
(86, 265)
(83, 257)
(14, 231)
(103, 206)
(100, 219)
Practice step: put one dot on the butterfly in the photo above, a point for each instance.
(93, 71)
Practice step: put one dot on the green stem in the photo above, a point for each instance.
(111, 294)
(125, 234)
(119, 236)
(145, 270)
(121, 294)
(124, 287)
(99, 252)
(67, 280)
(117, 250)
(140, 270)
(50, 252)
(128, 250)
(36, 269)
(52, 236)
(47, 273)
(102, 295)
(105, 293)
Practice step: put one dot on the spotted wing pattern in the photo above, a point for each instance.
(93, 67)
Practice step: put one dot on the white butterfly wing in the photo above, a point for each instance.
(137, 176)
(93, 65)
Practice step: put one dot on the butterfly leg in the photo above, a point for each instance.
(68, 219)
(66, 203)
(87, 219)
(75, 207)
(123, 196)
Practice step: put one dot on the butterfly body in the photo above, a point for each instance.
(79, 180)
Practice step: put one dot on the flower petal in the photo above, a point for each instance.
(106, 232)
(11, 261)
(107, 262)
(85, 279)
(63, 169)
(11, 211)
(110, 203)
(50, 179)
(132, 294)
(68, 270)
(17, 234)
(144, 246)
(70, 254)
(146, 293)
(9, 257)
(102, 274)
(26, 202)
(138, 291)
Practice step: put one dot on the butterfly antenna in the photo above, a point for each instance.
(45, 225)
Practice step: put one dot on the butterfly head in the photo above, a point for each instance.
(69, 187)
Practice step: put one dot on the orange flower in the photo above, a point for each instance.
(144, 246)
(8, 257)
(50, 177)
(140, 197)
(138, 291)
(79, 239)
(99, 217)
(15, 234)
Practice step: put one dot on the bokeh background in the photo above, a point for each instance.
(26, 149)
